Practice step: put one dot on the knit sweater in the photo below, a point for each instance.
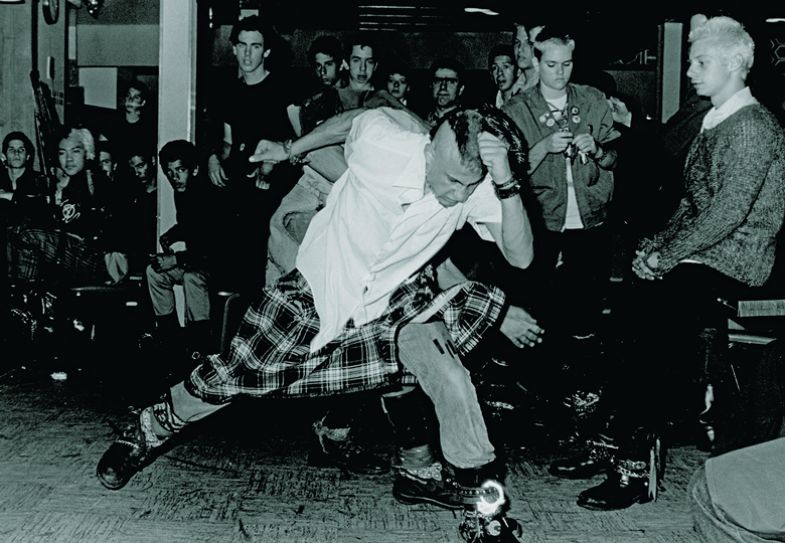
(734, 199)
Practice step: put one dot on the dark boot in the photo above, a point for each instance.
(599, 455)
(634, 478)
(168, 332)
(336, 447)
(137, 447)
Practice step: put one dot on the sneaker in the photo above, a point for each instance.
(135, 449)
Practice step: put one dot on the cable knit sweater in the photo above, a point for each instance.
(734, 199)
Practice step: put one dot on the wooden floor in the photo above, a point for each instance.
(243, 476)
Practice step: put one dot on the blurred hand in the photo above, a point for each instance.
(557, 142)
(216, 172)
(585, 144)
(162, 263)
(269, 151)
(521, 328)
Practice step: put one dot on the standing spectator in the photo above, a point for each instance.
(567, 127)
(253, 107)
(501, 65)
(447, 86)
(135, 124)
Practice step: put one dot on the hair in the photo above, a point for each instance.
(105, 147)
(551, 35)
(21, 136)
(181, 150)
(467, 125)
(141, 87)
(253, 23)
(729, 38)
(449, 64)
(83, 135)
(498, 50)
(361, 39)
(397, 66)
(328, 45)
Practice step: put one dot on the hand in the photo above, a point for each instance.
(269, 151)
(646, 266)
(521, 328)
(585, 144)
(621, 114)
(216, 172)
(162, 263)
(557, 142)
(493, 153)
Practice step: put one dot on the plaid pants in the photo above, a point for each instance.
(53, 255)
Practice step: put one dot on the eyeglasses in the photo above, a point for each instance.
(450, 81)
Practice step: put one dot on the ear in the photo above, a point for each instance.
(460, 89)
(195, 172)
(734, 62)
(344, 65)
(535, 62)
(266, 53)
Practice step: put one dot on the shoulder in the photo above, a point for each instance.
(588, 93)
(387, 119)
(754, 122)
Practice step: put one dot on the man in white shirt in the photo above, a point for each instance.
(362, 310)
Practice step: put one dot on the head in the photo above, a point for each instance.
(141, 163)
(361, 58)
(106, 160)
(398, 80)
(454, 168)
(721, 56)
(135, 97)
(251, 43)
(522, 47)
(446, 83)
(325, 55)
(501, 63)
(553, 49)
(180, 163)
(75, 148)
(18, 150)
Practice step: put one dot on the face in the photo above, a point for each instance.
(108, 165)
(522, 48)
(249, 50)
(16, 155)
(555, 66)
(397, 85)
(133, 100)
(708, 71)
(361, 64)
(326, 69)
(503, 72)
(140, 167)
(446, 87)
(450, 182)
(71, 155)
(178, 174)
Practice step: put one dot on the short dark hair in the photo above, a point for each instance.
(498, 50)
(106, 147)
(254, 23)
(449, 64)
(361, 39)
(141, 87)
(395, 65)
(21, 136)
(181, 150)
(328, 45)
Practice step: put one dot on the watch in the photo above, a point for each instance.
(51, 10)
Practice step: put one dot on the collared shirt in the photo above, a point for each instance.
(380, 225)
(716, 115)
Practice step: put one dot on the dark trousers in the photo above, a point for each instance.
(674, 341)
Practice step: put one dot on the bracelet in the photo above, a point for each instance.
(293, 159)
(508, 190)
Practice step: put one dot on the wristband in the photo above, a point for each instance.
(287, 148)
(507, 190)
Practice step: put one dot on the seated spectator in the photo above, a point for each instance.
(71, 246)
(190, 267)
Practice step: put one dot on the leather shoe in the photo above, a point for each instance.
(126, 457)
(410, 489)
(614, 493)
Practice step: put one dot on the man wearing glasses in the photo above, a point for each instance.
(447, 87)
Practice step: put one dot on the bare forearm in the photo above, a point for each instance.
(332, 131)
(516, 233)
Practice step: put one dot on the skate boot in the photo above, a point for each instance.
(486, 521)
